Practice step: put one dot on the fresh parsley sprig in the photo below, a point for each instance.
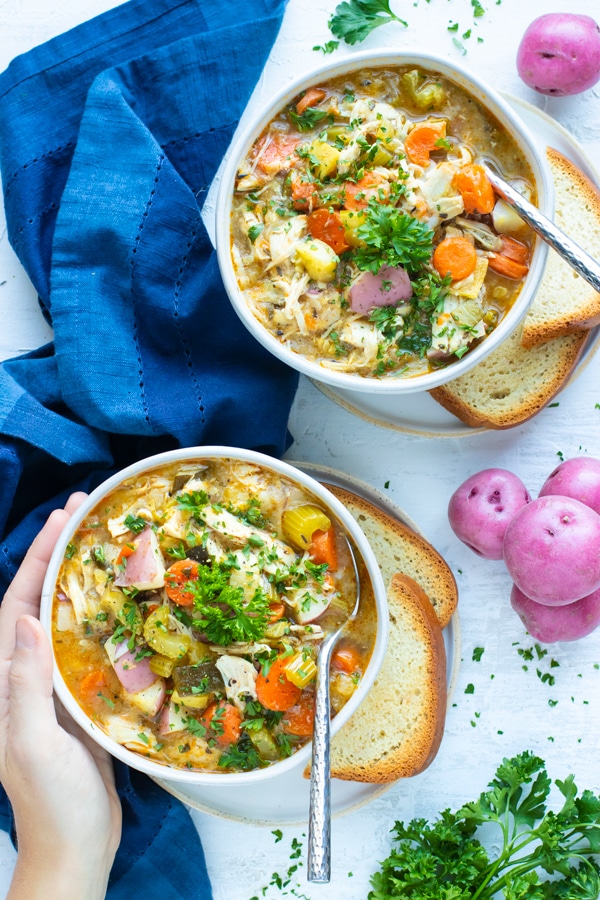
(392, 238)
(354, 20)
(445, 859)
(222, 611)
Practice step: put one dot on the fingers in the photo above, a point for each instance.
(30, 685)
(23, 595)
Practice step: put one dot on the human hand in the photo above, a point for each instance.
(60, 783)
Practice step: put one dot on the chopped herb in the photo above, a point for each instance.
(478, 9)
(135, 523)
(278, 835)
(143, 737)
(354, 20)
(477, 653)
(470, 689)
(459, 46)
(70, 551)
(255, 231)
(309, 118)
(329, 47)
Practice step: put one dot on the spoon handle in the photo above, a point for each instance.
(571, 252)
(319, 823)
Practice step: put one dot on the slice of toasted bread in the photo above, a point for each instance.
(399, 549)
(513, 383)
(397, 729)
(565, 302)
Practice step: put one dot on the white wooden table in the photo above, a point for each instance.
(508, 709)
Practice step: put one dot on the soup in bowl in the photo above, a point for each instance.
(187, 601)
(358, 234)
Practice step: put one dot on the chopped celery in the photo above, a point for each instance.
(300, 669)
(299, 524)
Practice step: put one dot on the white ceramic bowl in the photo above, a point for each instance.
(338, 511)
(488, 97)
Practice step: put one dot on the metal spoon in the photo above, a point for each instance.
(319, 823)
(571, 252)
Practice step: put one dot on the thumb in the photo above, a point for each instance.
(31, 708)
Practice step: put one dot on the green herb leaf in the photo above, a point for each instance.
(354, 20)
(446, 860)
(329, 47)
(135, 523)
(393, 238)
(255, 231)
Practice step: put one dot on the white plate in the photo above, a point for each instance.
(285, 800)
(419, 413)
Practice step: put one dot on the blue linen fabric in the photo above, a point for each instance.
(110, 136)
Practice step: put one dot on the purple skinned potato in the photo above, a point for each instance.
(557, 623)
(552, 550)
(578, 478)
(559, 54)
(482, 507)
(390, 286)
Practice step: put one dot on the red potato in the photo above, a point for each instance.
(134, 675)
(482, 507)
(552, 550)
(557, 623)
(578, 478)
(391, 285)
(559, 54)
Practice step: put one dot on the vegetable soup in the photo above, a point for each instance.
(190, 608)
(365, 234)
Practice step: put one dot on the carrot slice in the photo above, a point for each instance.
(456, 257)
(274, 690)
(276, 611)
(310, 98)
(358, 194)
(223, 720)
(327, 226)
(347, 659)
(125, 552)
(279, 153)
(300, 718)
(176, 577)
(475, 189)
(91, 685)
(323, 549)
(514, 249)
(422, 140)
(506, 266)
(304, 194)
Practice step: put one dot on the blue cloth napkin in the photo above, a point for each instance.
(110, 136)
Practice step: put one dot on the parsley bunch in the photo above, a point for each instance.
(354, 20)
(446, 861)
(392, 238)
(222, 611)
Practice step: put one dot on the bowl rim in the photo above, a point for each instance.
(499, 108)
(199, 777)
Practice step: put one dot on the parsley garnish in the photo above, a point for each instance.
(309, 118)
(329, 47)
(70, 551)
(446, 859)
(194, 502)
(135, 523)
(223, 612)
(255, 231)
(354, 20)
(392, 238)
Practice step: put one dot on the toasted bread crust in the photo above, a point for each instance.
(397, 730)
(513, 383)
(399, 549)
(565, 302)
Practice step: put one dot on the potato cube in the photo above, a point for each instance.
(318, 258)
(352, 220)
(323, 158)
